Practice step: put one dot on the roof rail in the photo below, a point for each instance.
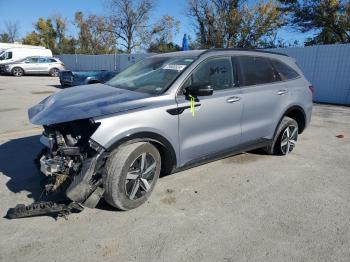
(243, 49)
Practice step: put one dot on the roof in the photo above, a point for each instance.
(194, 53)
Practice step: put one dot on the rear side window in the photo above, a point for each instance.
(42, 60)
(256, 71)
(51, 60)
(32, 60)
(216, 72)
(285, 72)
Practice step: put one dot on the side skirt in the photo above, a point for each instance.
(223, 154)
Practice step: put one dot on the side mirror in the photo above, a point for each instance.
(199, 90)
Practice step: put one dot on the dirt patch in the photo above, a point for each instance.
(243, 158)
(9, 109)
(42, 92)
(169, 200)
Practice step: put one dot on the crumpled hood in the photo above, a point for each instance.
(84, 102)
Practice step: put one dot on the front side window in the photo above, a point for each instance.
(216, 72)
(285, 72)
(256, 71)
(152, 75)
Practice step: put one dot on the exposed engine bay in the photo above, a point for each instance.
(71, 164)
(72, 160)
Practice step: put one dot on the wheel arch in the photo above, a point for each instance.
(165, 148)
(18, 67)
(297, 113)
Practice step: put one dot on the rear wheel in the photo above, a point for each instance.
(54, 72)
(285, 139)
(130, 175)
(17, 71)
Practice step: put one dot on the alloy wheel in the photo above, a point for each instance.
(289, 139)
(140, 176)
(17, 72)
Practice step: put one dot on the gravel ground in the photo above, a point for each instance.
(250, 207)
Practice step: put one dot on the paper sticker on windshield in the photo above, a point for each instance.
(175, 67)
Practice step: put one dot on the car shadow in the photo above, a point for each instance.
(17, 158)
(17, 162)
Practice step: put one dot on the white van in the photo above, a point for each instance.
(13, 54)
(4, 46)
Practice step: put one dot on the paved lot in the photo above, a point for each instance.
(249, 207)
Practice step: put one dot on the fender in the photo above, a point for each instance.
(166, 147)
(290, 109)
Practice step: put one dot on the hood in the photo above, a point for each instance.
(84, 102)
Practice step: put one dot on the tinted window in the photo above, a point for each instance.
(256, 70)
(216, 72)
(42, 60)
(32, 60)
(284, 71)
(52, 60)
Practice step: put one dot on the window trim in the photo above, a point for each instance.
(235, 82)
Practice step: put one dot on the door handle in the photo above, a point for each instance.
(233, 99)
(282, 92)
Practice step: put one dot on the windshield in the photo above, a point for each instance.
(152, 75)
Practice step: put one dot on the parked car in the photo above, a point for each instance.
(18, 52)
(76, 78)
(167, 113)
(34, 65)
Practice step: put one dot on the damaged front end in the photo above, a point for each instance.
(72, 162)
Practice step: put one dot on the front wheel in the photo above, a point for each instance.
(17, 71)
(285, 138)
(131, 173)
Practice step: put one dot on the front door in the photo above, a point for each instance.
(215, 125)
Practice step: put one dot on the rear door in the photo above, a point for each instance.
(264, 97)
(215, 125)
(43, 65)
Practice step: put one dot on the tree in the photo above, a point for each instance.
(129, 19)
(5, 38)
(161, 35)
(11, 32)
(330, 19)
(163, 47)
(95, 35)
(231, 23)
(51, 33)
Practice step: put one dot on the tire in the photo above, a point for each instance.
(125, 187)
(17, 71)
(285, 138)
(54, 72)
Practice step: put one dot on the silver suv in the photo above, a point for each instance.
(167, 113)
(34, 65)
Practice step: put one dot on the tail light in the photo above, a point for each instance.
(62, 64)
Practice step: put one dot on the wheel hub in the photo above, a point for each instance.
(289, 139)
(140, 176)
